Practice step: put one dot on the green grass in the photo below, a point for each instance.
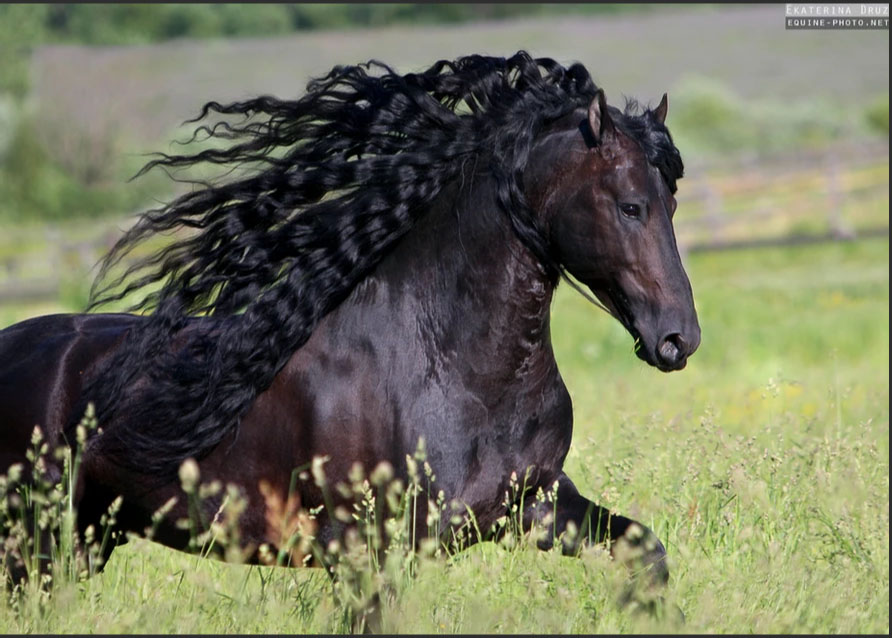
(763, 467)
(773, 201)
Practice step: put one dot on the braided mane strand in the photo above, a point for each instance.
(338, 177)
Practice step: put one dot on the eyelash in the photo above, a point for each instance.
(630, 210)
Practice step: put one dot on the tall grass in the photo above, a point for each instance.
(763, 467)
(393, 532)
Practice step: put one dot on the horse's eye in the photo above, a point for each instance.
(630, 210)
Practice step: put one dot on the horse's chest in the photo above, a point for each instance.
(483, 412)
(476, 443)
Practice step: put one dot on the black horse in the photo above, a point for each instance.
(380, 271)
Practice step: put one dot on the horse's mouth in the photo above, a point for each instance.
(644, 353)
(619, 307)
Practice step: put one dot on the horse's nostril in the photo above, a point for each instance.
(672, 349)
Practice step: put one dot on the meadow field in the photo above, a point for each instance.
(763, 466)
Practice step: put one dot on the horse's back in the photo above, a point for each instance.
(42, 365)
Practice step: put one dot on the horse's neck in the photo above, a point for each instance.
(477, 290)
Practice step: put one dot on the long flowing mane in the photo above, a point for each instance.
(338, 177)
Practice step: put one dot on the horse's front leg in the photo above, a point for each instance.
(629, 540)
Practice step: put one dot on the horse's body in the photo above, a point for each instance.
(446, 339)
(344, 394)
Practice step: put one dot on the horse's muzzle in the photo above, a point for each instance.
(672, 351)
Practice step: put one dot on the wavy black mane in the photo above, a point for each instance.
(338, 177)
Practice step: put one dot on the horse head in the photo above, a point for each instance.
(603, 182)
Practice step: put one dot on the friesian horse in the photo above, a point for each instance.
(380, 271)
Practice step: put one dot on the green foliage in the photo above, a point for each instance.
(22, 27)
(877, 115)
(9, 118)
(114, 24)
(343, 15)
(36, 185)
(144, 23)
(708, 118)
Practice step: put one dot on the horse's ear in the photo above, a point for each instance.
(660, 111)
(598, 116)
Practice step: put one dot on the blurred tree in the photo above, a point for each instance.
(877, 115)
(22, 27)
(124, 23)
(114, 24)
(254, 19)
(105, 23)
(187, 20)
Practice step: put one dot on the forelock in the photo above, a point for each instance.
(639, 123)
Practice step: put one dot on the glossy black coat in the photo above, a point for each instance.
(447, 340)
